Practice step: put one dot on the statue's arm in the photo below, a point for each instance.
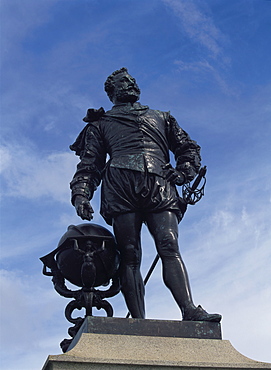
(186, 151)
(88, 175)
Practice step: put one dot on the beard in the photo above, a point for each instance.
(128, 95)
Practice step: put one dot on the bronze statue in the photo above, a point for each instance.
(138, 186)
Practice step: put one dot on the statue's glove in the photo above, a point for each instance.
(83, 208)
(174, 176)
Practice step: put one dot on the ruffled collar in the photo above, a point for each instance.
(127, 108)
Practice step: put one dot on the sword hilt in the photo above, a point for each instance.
(191, 194)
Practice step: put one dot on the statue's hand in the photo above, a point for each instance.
(83, 208)
(174, 176)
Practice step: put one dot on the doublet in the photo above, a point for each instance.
(135, 138)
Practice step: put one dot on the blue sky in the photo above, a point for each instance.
(208, 62)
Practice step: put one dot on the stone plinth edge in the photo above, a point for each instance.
(148, 327)
(119, 352)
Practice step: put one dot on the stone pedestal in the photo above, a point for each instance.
(119, 344)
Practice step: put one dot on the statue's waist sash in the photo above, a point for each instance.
(140, 162)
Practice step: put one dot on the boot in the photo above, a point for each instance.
(199, 314)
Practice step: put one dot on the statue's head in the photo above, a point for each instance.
(121, 87)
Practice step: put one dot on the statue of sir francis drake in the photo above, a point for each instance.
(138, 186)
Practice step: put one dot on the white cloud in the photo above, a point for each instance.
(206, 69)
(28, 320)
(199, 26)
(35, 184)
(5, 159)
(27, 174)
(195, 66)
(19, 18)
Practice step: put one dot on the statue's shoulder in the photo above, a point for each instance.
(159, 113)
(93, 115)
(87, 132)
(108, 113)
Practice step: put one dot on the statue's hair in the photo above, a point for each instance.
(109, 84)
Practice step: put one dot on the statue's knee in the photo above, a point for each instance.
(168, 245)
(130, 255)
